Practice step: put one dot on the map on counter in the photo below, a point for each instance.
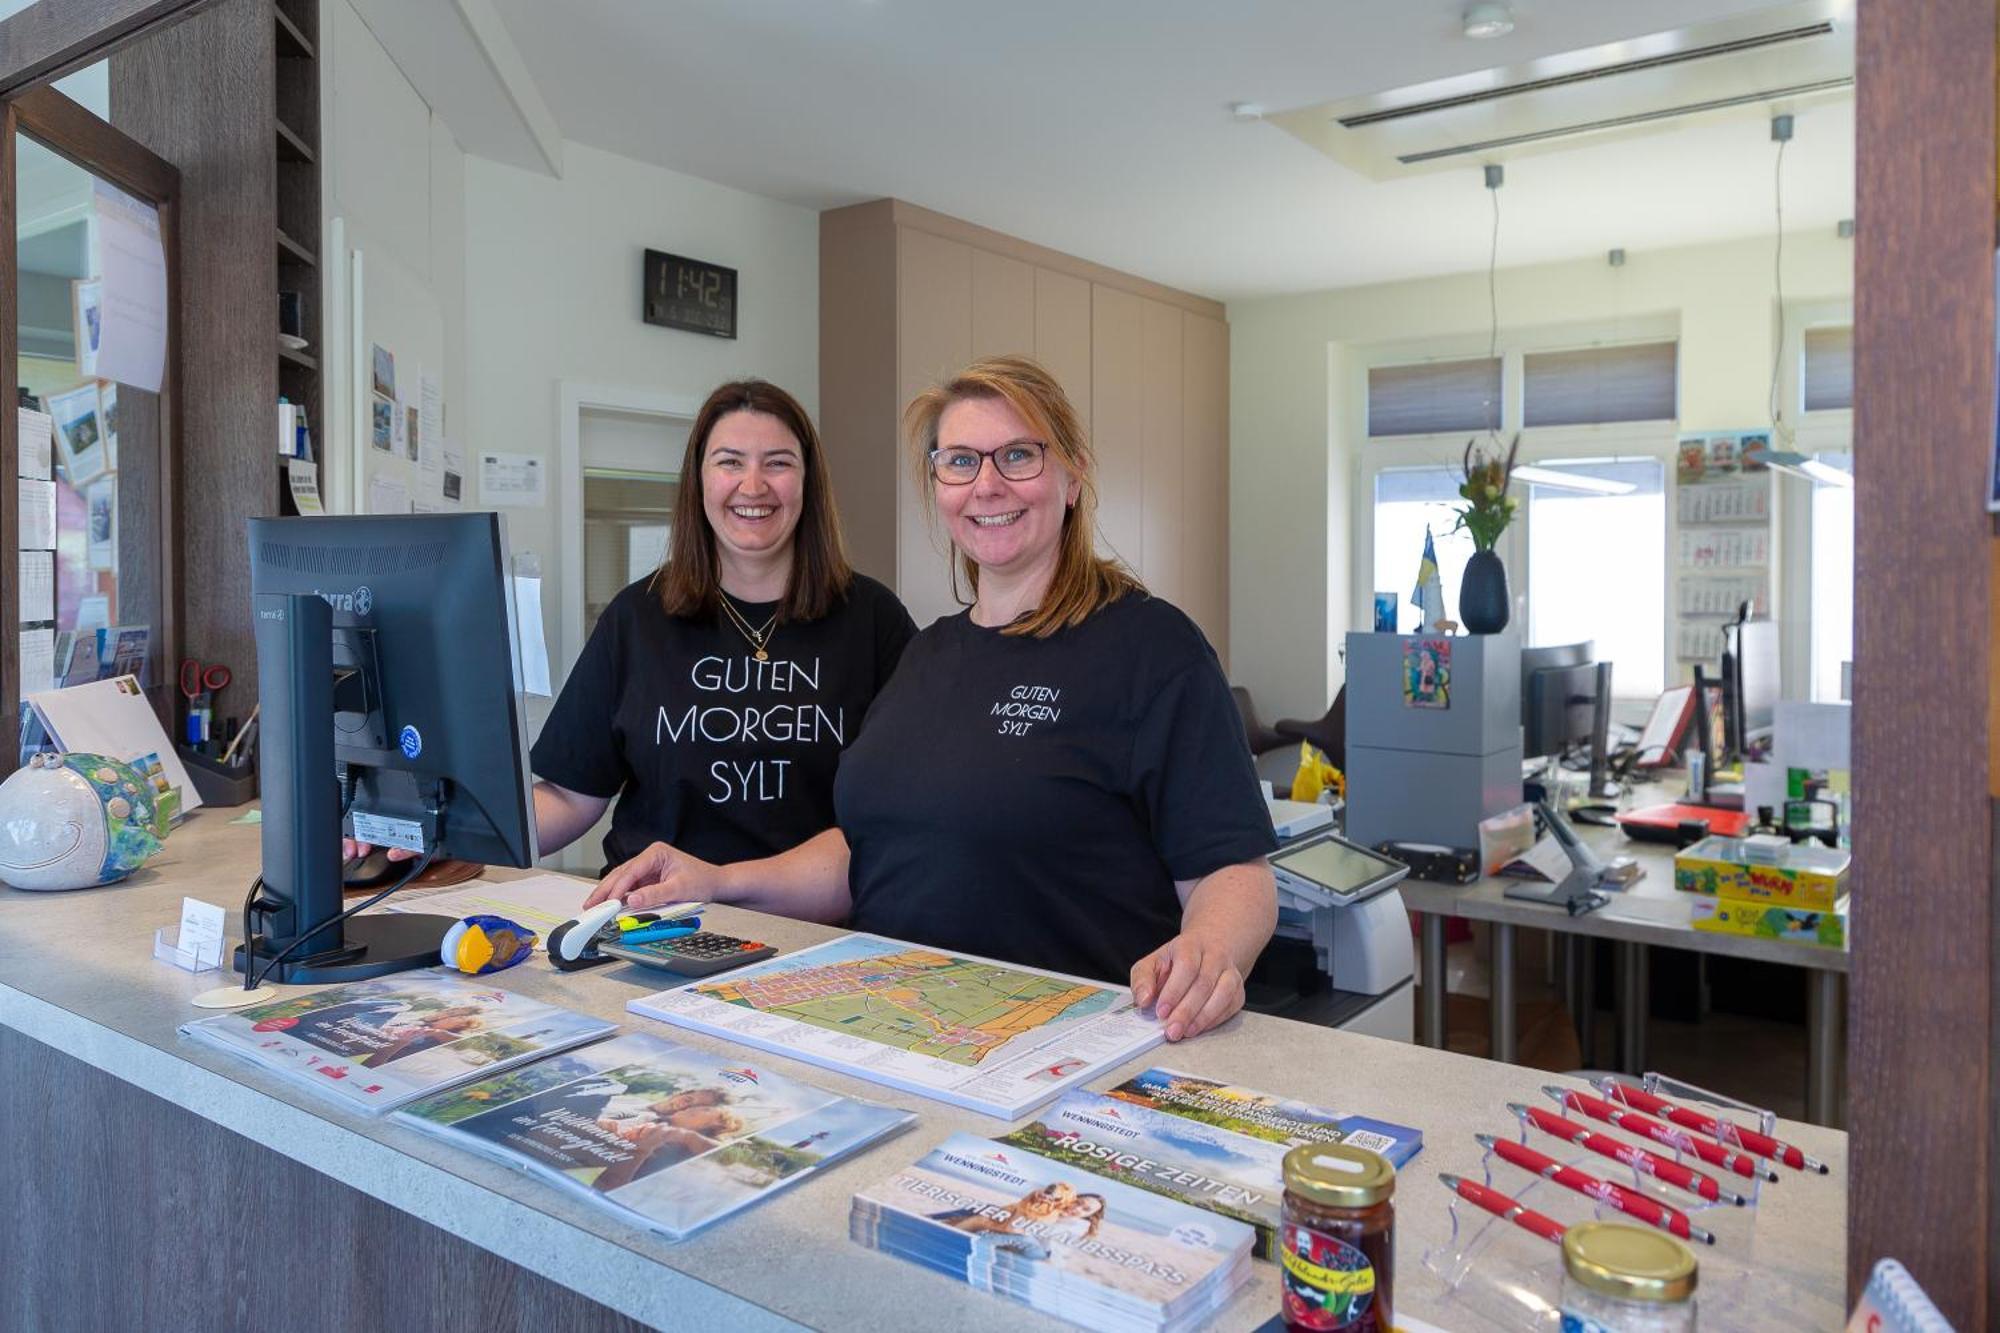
(991, 1037)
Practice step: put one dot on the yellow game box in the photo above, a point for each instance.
(1766, 921)
(1804, 875)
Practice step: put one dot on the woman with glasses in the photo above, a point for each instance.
(715, 695)
(1056, 776)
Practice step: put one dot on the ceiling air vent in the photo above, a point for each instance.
(1782, 57)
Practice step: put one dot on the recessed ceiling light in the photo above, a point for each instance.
(1482, 21)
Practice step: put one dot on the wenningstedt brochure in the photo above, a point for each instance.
(1204, 1143)
(1061, 1240)
(670, 1137)
(375, 1045)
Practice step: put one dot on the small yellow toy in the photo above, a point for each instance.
(1316, 774)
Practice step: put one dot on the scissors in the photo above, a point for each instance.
(198, 684)
(197, 679)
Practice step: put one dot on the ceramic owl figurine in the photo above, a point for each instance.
(70, 821)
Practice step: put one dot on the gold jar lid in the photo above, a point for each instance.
(1629, 1263)
(1339, 1176)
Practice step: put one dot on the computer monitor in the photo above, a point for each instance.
(389, 691)
(1750, 680)
(1566, 702)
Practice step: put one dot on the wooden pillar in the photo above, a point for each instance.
(1921, 1050)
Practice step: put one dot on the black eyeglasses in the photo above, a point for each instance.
(958, 465)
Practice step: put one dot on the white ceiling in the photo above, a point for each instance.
(1101, 127)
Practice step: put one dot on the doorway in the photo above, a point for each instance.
(619, 479)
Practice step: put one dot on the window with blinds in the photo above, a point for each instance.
(1594, 385)
(1827, 377)
(1434, 397)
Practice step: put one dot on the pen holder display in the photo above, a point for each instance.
(1563, 1167)
(219, 784)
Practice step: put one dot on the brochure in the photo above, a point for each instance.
(377, 1044)
(1140, 1134)
(991, 1037)
(1063, 1241)
(1260, 1115)
(669, 1137)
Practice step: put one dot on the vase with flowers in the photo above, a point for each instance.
(1488, 509)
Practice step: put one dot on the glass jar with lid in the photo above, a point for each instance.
(1626, 1279)
(1336, 1246)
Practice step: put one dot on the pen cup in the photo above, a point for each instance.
(217, 783)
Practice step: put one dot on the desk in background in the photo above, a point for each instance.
(1649, 914)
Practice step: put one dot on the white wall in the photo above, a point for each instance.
(535, 280)
(552, 277)
(391, 171)
(1297, 399)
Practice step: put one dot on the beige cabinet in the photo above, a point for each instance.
(908, 296)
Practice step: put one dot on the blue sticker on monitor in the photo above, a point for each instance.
(412, 742)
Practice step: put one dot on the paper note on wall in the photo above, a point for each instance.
(38, 586)
(303, 480)
(430, 424)
(38, 515)
(531, 644)
(451, 485)
(132, 338)
(513, 480)
(387, 495)
(38, 431)
(38, 660)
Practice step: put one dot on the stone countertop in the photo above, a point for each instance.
(76, 973)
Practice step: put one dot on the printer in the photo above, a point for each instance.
(1340, 899)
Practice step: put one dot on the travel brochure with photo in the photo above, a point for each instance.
(670, 1137)
(991, 1037)
(377, 1044)
(1212, 1145)
(1056, 1238)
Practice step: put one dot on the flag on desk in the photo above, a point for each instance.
(1429, 595)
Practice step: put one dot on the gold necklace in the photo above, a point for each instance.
(757, 637)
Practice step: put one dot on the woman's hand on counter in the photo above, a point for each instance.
(659, 875)
(1189, 985)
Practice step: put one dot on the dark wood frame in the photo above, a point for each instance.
(1921, 1050)
(73, 132)
(54, 37)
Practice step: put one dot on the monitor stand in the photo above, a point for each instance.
(365, 946)
(1577, 893)
(299, 891)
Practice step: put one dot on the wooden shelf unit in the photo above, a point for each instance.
(295, 144)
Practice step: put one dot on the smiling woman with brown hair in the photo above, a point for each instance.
(1056, 776)
(715, 695)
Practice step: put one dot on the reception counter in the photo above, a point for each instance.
(157, 1185)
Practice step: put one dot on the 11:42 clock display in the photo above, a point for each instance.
(682, 293)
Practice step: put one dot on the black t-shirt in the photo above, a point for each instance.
(705, 747)
(1034, 800)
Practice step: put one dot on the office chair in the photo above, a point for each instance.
(1328, 734)
(1261, 738)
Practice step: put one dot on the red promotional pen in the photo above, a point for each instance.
(1742, 1163)
(1670, 1220)
(1498, 1204)
(1643, 1160)
(1723, 1131)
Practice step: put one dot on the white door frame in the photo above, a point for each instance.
(573, 400)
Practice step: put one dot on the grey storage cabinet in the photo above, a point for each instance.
(1431, 774)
